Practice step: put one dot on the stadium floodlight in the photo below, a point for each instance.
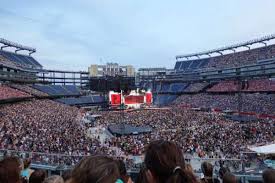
(234, 46)
(18, 47)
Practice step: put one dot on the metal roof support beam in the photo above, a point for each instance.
(17, 50)
(31, 52)
(220, 52)
(4, 47)
(264, 43)
(247, 47)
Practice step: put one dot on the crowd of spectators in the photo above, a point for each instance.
(202, 133)
(55, 134)
(7, 92)
(225, 86)
(242, 58)
(260, 85)
(256, 85)
(228, 60)
(251, 102)
(48, 127)
(45, 126)
(253, 85)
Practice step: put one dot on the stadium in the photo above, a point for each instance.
(217, 106)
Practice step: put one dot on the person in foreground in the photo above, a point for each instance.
(207, 170)
(96, 169)
(27, 171)
(164, 163)
(269, 176)
(123, 173)
(229, 178)
(10, 170)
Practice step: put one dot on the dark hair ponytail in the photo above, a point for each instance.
(182, 176)
(166, 162)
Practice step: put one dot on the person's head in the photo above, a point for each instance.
(27, 163)
(165, 162)
(223, 171)
(100, 169)
(10, 170)
(189, 168)
(66, 175)
(122, 168)
(122, 171)
(38, 176)
(269, 175)
(229, 178)
(207, 169)
(54, 179)
(143, 176)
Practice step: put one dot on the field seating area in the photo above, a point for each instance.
(58, 90)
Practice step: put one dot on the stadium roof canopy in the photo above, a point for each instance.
(228, 48)
(18, 47)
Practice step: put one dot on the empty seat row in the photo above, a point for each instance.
(91, 99)
(191, 64)
(22, 60)
(58, 89)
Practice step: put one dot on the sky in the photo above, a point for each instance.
(73, 34)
